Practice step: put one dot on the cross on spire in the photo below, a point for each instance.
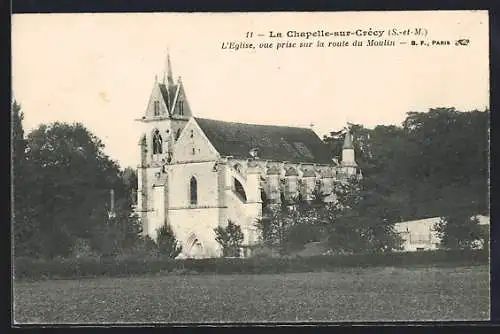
(167, 74)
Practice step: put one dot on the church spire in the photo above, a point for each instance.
(168, 78)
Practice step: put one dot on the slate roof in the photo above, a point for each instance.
(278, 143)
(171, 91)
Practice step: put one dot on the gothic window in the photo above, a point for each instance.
(194, 151)
(144, 150)
(318, 185)
(238, 187)
(157, 108)
(178, 134)
(181, 107)
(157, 142)
(193, 191)
(238, 167)
(192, 134)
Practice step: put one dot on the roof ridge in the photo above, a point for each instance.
(268, 125)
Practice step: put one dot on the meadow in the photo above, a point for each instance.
(347, 294)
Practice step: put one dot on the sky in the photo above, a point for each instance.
(99, 69)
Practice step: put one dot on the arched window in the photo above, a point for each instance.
(193, 191)
(157, 108)
(194, 246)
(178, 134)
(157, 142)
(238, 168)
(181, 107)
(238, 187)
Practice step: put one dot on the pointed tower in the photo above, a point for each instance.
(168, 78)
(348, 164)
(165, 117)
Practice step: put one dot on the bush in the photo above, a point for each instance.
(82, 248)
(145, 248)
(265, 252)
(230, 238)
(459, 231)
(301, 234)
(25, 268)
(167, 243)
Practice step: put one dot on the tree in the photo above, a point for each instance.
(25, 224)
(343, 223)
(117, 234)
(362, 149)
(145, 247)
(485, 236)
(360, 220)
(18, 142)
(449, 167)
(276, 222)
(127, 219)
(129, 177)
(167, 243)
(306, 221)
(432, 165)
(435, 164)
(298, 235)
(459, 231)
(69, 177)
(230, 238)
(263, 224)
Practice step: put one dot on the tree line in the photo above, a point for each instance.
(434, 164)
(61, 205)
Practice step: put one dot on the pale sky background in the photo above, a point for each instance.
(99, 69)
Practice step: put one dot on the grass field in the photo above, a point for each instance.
(375, 294)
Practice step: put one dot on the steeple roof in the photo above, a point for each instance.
(168, 88)
(168, 94)
(168, 77)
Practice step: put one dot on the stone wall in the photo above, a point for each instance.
(198, 222)
(193, 145)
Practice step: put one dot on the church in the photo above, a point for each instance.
(196, 174)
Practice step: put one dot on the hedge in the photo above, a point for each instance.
(31, 269)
